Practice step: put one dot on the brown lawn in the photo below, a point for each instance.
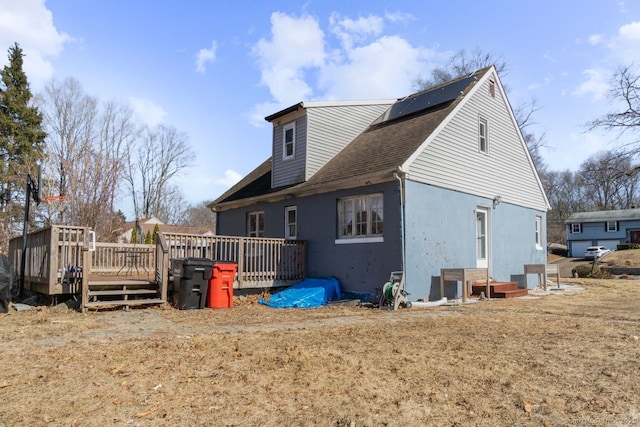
(571, 357)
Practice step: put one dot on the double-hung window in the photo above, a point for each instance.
(538, 232)
(255, 224)
(289, 140)
(576, 228)
(361, 218)
(612, 226)
(290, 222)
(483, 135)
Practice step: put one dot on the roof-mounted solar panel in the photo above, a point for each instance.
(429, 99)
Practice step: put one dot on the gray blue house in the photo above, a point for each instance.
(601, 228)
(438, 179)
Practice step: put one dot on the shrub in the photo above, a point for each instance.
(590, 271)
(559, 251)
(626, 246)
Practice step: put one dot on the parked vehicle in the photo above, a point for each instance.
(595, 252)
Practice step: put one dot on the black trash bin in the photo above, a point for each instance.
(6, 279)
(190, 282)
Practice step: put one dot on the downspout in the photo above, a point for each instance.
(400, 175)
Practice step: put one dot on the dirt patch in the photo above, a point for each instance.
(562, 357)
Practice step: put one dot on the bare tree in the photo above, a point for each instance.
(462, 63)
(161, 154)
(608, 181)
(86, 147)
(200, 216)
(625, 89)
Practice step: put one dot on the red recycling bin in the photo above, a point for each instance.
(221, 284)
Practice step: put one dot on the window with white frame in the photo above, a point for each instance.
(289, 140)
(360, 217)
(291, 222)
(576, 228)
(483, 135)
(612, 226)
(538, 232)
(255, 224)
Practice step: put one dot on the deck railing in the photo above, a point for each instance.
(53, 260)
(58, 256)
(262, 262)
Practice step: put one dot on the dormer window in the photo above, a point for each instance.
(289, 141)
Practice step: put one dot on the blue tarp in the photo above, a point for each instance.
(310, 293)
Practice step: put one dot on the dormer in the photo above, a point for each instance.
(308, 134)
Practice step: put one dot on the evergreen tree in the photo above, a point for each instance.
(134, 235)
(21, 142)
(148, 239)
(156, 230)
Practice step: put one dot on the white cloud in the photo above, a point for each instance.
(399, 17)
(30, 24)
(231, 177)
(350, 31)
(296, 44)
(148, 112)
(385, 68)
(625, 44)
(595, 39)
(596, 84)
(297, 62)
(205, 56)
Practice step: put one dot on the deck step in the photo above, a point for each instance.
(499, 289)
(93, 304)
(123, 292)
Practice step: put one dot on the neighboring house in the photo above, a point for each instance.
(148, 225)
(439, 179)
(602, 228)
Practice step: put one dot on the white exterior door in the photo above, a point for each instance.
(482, 238)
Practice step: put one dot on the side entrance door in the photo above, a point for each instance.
(635, 236)
(482, 237)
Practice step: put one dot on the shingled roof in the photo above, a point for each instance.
(378, 151)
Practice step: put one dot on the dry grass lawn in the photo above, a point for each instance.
(571, 357)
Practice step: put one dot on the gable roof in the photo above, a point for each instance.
(373, 156)
(600, 216)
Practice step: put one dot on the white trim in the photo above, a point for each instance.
(539, 232)
(348, 241)
(318, 104)
(291, 125)
(483, 121)
(288, 209)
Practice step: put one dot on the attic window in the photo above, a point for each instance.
(492, 88)
(289, 141)
(483, 136)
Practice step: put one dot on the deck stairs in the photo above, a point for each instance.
(499, 289)
(123, 293)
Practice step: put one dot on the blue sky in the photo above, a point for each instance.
(215, 69)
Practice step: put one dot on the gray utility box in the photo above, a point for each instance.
(190, 282)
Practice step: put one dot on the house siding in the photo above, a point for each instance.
(360, 267)
(289, 171)
(332, 128)
(506, 170)
(441, 233)
(594, 233)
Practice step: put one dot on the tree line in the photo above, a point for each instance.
(93, 154)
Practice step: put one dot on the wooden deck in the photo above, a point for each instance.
(64, 260)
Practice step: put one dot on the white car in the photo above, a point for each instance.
(595, 252)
